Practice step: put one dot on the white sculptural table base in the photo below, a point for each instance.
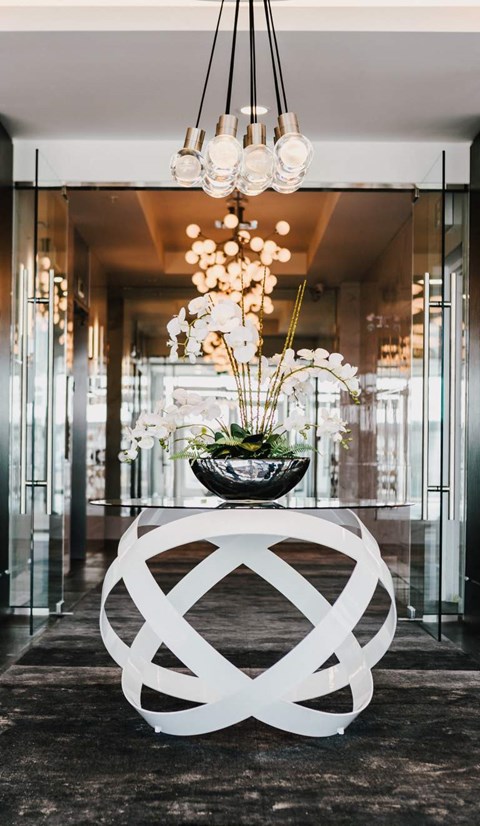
(227, 695)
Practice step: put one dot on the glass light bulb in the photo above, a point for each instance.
(223, 155)
(191, 257)
(197, 247)
(193, 230)
(209, 245)
(286, 187)
(267, 305)
(187, 167)
(266, 258)
(270, 246)
(217, 189)
(246, 187)
(231, 248)
(198, 278)
(234, 269)
(283, 227)
(284, 255)
(258, 164)
(244, 235)
(294, 152)
(256, 244)
(230, 221)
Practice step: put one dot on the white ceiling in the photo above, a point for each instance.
(409, 86)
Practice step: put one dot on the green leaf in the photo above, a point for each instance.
(237, 431)
(218, 435)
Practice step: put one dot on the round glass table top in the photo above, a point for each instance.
(288, 502)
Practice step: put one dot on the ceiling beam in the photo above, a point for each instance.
(150, 211)
(328, 204)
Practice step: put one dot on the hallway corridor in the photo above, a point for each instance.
(78, 754)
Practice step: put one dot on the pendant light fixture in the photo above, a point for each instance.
(225, 165)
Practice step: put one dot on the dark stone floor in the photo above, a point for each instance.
(72, 751)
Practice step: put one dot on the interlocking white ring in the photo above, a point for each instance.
(227, 694)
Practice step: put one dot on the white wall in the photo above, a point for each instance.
(147, 162)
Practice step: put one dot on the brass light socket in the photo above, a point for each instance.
(256, 134)
(194, 138)
(288, 122)
(227, 125)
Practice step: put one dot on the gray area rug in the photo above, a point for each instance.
(72, 751)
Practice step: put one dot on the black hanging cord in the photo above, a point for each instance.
(278, 56)
(253, 66)
(209, 64)
(272, 55)
(232, 59)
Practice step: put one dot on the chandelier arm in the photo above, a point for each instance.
(209, 64)
(277, 52)
(272, 55)
(232, 59)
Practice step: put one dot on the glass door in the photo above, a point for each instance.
(437, 408)
(39, 398)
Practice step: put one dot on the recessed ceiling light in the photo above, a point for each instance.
(260, 110)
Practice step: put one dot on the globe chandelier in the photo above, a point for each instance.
(225, 165)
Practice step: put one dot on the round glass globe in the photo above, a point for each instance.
(284, 187)
(187, 167)
(209, 246)
(294, 152)
(283, 227)
(284, 255)
(256, 244)
(230, 221)
(198, 248)
(246, 187)
(198, 278)
(217, 189)
(191, 257)
(231, 248)
(193, 231)
(223, 155)
(244, 235)
(234, 269)
(211, 281)
(266, 258)
(270, 247)
(270, 283)
(258, 164)
(267, 305)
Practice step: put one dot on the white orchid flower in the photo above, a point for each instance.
(307, 355)
(199, 306)
(295, 420)
(178, 324)
(245, 353)
(128, 455)
(335, 360)
(146, 442)
(225, 316)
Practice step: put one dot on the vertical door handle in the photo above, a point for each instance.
(426, 393)
(23, 336)
(50, 393)
(452, 424)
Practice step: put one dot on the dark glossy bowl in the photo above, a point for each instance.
(259, 480)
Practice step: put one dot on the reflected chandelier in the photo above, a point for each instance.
(225, 269)
(225, 165)
(238, 265)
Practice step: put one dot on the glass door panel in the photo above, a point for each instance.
(38, 398)
(49, 402)
(427, 400)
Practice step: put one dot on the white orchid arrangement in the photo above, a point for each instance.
(260, 384)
